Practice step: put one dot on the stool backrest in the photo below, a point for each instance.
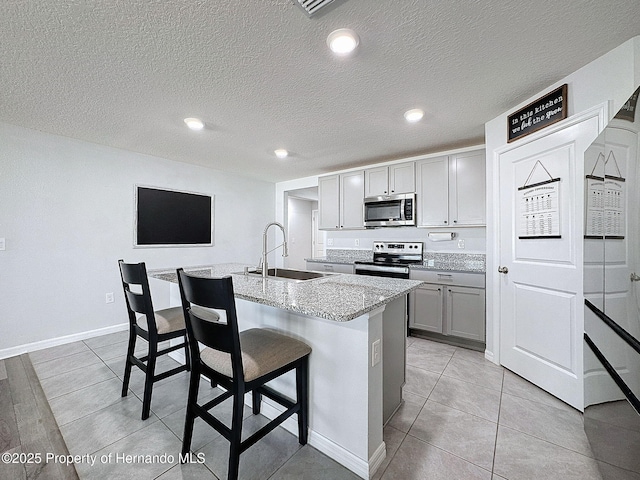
(211, 293)
(138, 299)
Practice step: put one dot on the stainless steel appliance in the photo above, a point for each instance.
(391, 259)
(390, 210)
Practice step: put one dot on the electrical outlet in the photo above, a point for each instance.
(431, 262)
(357, 242)
(330, 242)
(461, 243)
(375, 353)
(2, 244)
(109, 297)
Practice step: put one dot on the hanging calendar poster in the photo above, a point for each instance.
(614, 207)
(594, 221)
(540, 210)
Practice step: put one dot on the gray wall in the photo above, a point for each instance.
(66, 212)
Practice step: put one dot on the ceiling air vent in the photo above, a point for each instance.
(313, 6)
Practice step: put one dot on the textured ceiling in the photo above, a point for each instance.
(125, 73)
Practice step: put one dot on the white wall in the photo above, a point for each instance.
(610, 79)
(66, 212)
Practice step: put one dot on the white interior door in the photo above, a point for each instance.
(541, 312)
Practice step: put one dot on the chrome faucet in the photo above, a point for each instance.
(285, 250)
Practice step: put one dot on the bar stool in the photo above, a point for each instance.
(153, 326)
(240, 362)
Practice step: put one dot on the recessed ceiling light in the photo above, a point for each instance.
(281, 153)
(414, 115)
(194, 123)
(343, 41)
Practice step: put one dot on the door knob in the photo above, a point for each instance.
(503, 270)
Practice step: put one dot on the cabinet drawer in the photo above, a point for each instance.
(444, 277)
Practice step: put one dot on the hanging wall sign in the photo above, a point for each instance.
(614, 200)
(614, 207)
(606, 202)
(543, 112)
(539, 205)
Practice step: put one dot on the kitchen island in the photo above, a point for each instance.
(356, 326)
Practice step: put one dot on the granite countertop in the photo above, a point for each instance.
(338, 297)
(453, 262)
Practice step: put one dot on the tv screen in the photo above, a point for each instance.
(170, 217)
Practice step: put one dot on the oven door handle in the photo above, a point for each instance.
(381, 268)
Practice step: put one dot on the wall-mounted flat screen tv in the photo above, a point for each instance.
(172, 218)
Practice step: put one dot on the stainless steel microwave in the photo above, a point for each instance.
(390, 210)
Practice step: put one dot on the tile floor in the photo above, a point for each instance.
(463, 418)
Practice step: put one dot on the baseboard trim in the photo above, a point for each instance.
(347, 459)
(377, 458)
(54, 342)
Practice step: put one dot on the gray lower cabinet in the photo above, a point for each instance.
(451, 303)
(330, 267)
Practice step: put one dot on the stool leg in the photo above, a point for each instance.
(236, 435)
(194, 385)
(128, 364)
(302, 393)
(187, 357)
(256, 397)
(149, 378)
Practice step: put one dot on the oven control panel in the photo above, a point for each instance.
(398, 247)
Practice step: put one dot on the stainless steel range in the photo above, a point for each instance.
(391, 259)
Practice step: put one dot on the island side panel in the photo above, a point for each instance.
(394, 355)
(345, 391)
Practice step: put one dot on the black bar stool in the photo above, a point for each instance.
(240, 362)
(154, 327)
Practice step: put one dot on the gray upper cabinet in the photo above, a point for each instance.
(329, 202)
(451, 190)
(389, 180)
(340, 201)
(433, 192)
(351, 200)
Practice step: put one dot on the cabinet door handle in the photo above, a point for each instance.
(503, 270)
(445, 221)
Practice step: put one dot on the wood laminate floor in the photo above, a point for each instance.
(30, 441)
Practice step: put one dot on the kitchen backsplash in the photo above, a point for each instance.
(475, 262)
(472, 262)
(345, 255)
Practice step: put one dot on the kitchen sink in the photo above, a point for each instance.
(288, 274)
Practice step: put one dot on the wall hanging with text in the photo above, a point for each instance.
(543, 112)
